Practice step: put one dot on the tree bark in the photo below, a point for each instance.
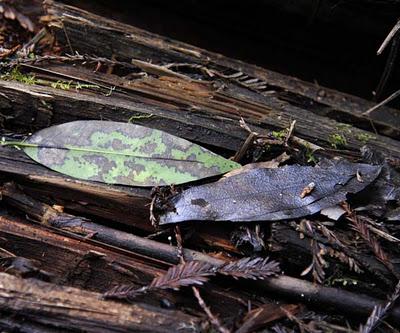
(78, 310)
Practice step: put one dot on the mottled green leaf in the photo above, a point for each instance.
(122, 153)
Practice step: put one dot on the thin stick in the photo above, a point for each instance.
(300, 290)
(214, 320)
(380, 312)
(389, 37)
(387, 72)
(67, 38)
(363, 230)
(196, 292)
(385, 101)
(290, 132)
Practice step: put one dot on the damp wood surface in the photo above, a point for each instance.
(85, 237)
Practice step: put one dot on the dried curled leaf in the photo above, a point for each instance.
(122, 153)
(270, 194)
(12, 14)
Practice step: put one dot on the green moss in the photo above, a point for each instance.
(280, 135)
(365, 137)
(337, 140)
(139, 117)
(344, 128)
(310, 155)
(16, 75)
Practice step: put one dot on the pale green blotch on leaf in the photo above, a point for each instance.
(122, 153)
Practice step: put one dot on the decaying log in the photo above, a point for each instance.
(110, 38)
(297, 253)
(81, 262)
(288, 287)
(198, 111)
(78, 310)
(49, 216)
(186, 91)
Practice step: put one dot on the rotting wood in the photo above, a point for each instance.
(49, 216)
(288, 287)
(74, 309)
(88, 264)
(127, 42)
(130, 206)
(204, 107)
(214, 123)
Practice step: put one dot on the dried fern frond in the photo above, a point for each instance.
(345, 259)
(128, 292)
(248, 268)
(187, 274)
(196, 273)
(182, 275)
(362, 229)
(380, 312)
(318, 263)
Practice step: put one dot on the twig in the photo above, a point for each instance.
(318, 251)
(385, 101)
(245, 147)
(67, 37)
(380, 312)
(370, 240)
(196, 292)
(389, 37)
(388, 70)
(290, 132)
(153, 219)
(213, 319)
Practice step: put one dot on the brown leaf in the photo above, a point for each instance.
(265, 314)
(12, 14)
(272, 164)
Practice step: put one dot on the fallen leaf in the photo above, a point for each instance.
(270, 194)
(122, 153)
(274, 163)
(334, 212)
(12, 14)
(263, 315)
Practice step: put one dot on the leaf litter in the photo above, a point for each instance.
(122, 153)
(271, 194)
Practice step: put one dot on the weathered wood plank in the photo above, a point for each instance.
(78, 310)
(109, 38)
(196, 111)
(98, 266)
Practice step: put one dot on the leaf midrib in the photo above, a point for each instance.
(94, 151)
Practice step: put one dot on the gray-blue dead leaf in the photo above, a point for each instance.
(271, 194)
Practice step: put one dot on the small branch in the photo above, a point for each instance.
(247, 143)
(384, 102)
(362, 229)
(290, 132)
(380, 312)
(389, 37)
(213, 319)
(196, 292)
